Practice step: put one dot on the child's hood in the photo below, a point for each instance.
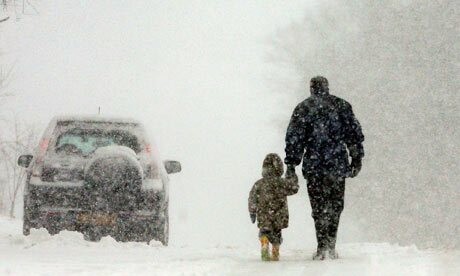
(273, 166)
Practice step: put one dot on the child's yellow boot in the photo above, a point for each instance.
(265, 251)
(276, 252)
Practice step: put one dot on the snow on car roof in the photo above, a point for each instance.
(98, 118)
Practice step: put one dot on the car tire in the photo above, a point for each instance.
(92, 235)
(25, 228)
(53, 230)
(163, 230)
(122, 232)
(26, 219)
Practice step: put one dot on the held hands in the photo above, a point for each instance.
(253, 217)
(290, 171)
(356, 165)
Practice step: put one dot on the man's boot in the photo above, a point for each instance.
(265, 250)
(276, 252)
(331, 252)
(332, 238)
(321, 237)
(319, 255)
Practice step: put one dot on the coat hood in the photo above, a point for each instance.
(273, 166)
(319, 86)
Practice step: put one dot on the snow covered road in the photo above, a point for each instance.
(68, 254)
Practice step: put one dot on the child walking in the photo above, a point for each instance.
(268, 202)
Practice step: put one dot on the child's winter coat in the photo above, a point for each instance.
(268, 196)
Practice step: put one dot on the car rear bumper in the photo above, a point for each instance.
(75, 220)
(62, 198)
(74, 208)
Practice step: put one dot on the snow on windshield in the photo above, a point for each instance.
(86, 141)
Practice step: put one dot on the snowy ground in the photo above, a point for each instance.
(67, 253)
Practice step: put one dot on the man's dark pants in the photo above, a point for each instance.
(327, 200)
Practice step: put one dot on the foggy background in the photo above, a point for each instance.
(215, 83)
(397, 62)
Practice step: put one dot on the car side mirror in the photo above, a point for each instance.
(172, 166)
(24, 160)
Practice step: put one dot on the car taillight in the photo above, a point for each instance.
(148, 149)
(39, 162)
(151, 150)
(44, 146)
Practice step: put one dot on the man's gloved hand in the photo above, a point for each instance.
(253, 217)
(356, 165)
(290, 171)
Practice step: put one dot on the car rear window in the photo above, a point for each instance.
(83, 141)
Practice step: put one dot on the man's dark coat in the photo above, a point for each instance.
(321, 129)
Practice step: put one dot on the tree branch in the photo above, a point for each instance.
(4, 19)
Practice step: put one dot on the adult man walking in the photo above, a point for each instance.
(322, 129)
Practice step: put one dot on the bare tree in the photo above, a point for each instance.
(4, 8)
(15, 136)
(4, 79)
(17, 8)
(20, 139)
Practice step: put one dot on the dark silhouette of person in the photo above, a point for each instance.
(324, 134)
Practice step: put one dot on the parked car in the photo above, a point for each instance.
(100, 177)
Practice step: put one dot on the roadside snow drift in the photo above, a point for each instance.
(68, 254)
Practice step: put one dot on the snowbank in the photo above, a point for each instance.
(68, 254)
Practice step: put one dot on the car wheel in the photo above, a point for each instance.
(122, 232)
(163, 231)
(92, 235)
(25, 228)
(53, 230)
(26, 219)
